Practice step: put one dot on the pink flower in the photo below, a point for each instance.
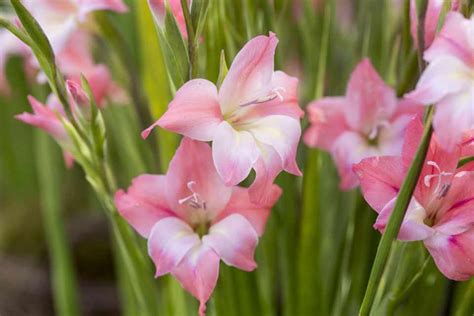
(192, 220)
(49, 117)
(369, 121)
(468, 144)
(441, 212)
(252, 120)
(448, 80)
(60, 19)
(158, 9)
(433, 12)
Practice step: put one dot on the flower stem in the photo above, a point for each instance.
(395, 221)
(192, 41)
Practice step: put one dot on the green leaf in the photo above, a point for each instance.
(223, 70)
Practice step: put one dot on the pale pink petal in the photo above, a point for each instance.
(454, 40)
(158, 9)
(442, 77)
(285, 101)
(453, 117)
(454, 255)
(327, 120)
(194, 111)
(282, 133)
(192, 168)
(170, 240)
(198, 273)
(368, 98)
(145, 203)
(468, 144)
(250, 74)
(257, 215)
(45, 119)
(234, 153)
(380, 179)
(234, 240)
(413, 227)
(350, 148)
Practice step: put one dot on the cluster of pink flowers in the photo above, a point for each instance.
(196, 214)
(64, 23)
(373, 138)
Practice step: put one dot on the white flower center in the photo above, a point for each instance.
(442, 187)
(194, 200)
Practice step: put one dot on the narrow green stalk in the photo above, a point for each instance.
(192, 41)
(465, 160)
(395, 221)
(62, 271)
(467, 305)
(421, 11)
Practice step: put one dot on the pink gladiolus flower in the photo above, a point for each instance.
(369, 121)
(252, 120)
(433, 12)
(48, 117)
(441, 212)
(192, 220)
(60, 19)
(468, 144)
(158, 8)
(448, 80)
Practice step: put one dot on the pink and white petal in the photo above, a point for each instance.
(282, 133)
(234, 153)
(455, 40)
(368, 97)
(442, 77)
(198, 273)
(453, 117)
(380, 179)
(413, 226)
(88, 6)
(250, 74)
(256, 214)
(391, 138)
(144, 204)
(169, 242)
(468, 144)
(192, 168)
(327, 120)
(433, 11)
(454, 255)
(194, 111)
(234, 240)
(348, 149)
(408, 107)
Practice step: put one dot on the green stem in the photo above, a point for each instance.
(395, 221)
(467, 306)
(192, 41)
(62, 274)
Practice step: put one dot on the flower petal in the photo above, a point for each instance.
(369, 98)
(234, 153)
(198, 273)
(256, 214)
(192, 162)
(88, 6)
(194, 111)
(454, 255)
(170, 240)
(144, 204)
(327, 122)
(234, 239)
(380, 179)
(250, 74)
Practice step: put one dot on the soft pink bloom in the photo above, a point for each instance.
(448, 80)
(441, 212)
(468, 144)
(158, 8)
(49, 116)
(433, 12)
(252, 120)
(192, 219)
(369, 121)
(60, 19)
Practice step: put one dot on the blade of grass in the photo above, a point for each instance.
(62, 271)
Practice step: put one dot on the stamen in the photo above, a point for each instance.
(376, 129)
(194, 200)
(275, 93)
(441, 188)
